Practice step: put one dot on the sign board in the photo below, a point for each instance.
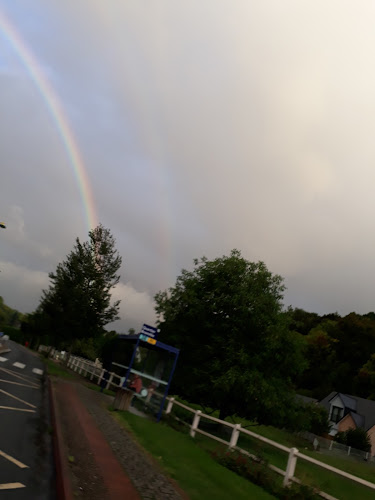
(151, 331)
(147, 339)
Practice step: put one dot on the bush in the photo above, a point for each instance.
(258, 472)
(356, 438)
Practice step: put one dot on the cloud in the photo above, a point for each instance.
(18, 281)
(203, 127)
(136, 308)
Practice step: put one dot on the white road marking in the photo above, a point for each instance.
(13, 460)
(16, 409)
(19, 365)
(18, 399)
(25, 378)
(17, 383)
(3, 359)
(37, 371)
(11, 486)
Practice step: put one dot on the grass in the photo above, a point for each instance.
(97, 388)
(308, 473)
(58, 370)
(185, 462)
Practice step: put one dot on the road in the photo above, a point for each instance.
(26, 458)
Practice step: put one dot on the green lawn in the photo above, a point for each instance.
(185, 462)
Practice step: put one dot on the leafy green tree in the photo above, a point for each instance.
(365, 381)
(237, 353)
(302, 321)
(356, 341)
(9, 316)
(320, 345)
(77, 304)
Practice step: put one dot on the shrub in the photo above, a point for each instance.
(257, 472)
(356, 438)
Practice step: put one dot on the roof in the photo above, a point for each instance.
(363, 412)
(305, 399)
(359, 420)
(348, 401)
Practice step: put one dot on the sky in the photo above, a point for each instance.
(188, 129)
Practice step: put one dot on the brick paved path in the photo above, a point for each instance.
(96, 422)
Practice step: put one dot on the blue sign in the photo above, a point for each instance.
(151, 331)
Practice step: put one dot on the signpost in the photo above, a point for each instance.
(151, 331)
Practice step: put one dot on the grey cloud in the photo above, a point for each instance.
(203, 127)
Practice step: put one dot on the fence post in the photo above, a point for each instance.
(234, 436)
(109, 381)
(169, 406)
(150, 392)
(195, 424)
(101, 376)
(291, 466)
(331, 444)
(93, 370)
(349, 448)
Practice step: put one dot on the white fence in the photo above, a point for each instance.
(293, 453)
(331, 447)
(93, 371)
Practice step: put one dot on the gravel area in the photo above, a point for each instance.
(145, 475)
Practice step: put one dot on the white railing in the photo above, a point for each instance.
(293, 453)
(94, 370)
(332, 447)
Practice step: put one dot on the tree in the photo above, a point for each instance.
(302, 321)
(77, 304)
(237, 353)
(320, 375)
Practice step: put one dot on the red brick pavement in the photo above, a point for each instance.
(115, 481)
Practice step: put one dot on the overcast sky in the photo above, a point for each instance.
(203, 125)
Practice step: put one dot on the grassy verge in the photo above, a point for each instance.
(97, 388)
(192, 467)
(58, 370)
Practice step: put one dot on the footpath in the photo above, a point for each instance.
(96, 458)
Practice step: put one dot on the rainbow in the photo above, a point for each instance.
(57, 113)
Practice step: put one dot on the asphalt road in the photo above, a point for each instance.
(26, 459)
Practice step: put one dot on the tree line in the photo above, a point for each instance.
(242, 352)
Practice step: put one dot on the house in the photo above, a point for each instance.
(349, 412)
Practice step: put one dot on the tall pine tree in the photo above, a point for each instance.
(78, 302)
